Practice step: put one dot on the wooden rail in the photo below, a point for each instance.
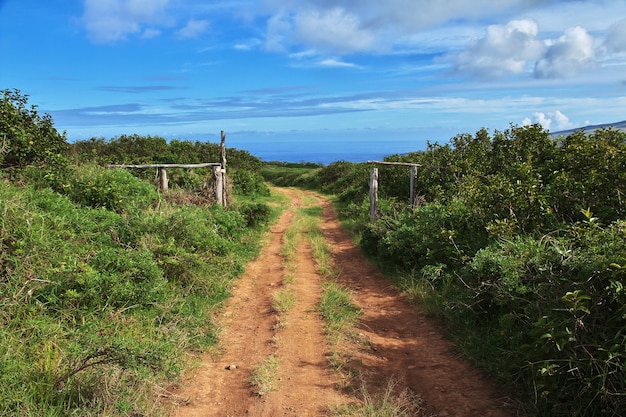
(406, 164)
(205, 165)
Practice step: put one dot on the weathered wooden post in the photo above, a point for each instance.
(223, 170)
(373, 194)
(413, 174)
(219, 185)
(163, 182)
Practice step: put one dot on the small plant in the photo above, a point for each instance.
(265, 376)
(283, 300)
(338, 311)
(388, 403)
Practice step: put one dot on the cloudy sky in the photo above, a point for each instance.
(305, 69)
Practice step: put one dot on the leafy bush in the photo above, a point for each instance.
(255, 213)
(27, 137)
(247, 183)
(113, 189)
(138, 149)
(427, 234)
(30, 146)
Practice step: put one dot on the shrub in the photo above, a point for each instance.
(248, 183)
(27, 137)
(113, 189)
(432, 233)
(255, 213)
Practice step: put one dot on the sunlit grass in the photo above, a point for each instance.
(388, 403)
(339, 312)
(265, 376)
(283, 300)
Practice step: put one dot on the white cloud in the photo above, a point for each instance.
(332, 62)
(334, 29)
(571, 53)
(504, 49)
(108, 21)
(616, 37)
(248, 44)
(193, 29)
(346, 26)
(560, 121)
(112, 20)
(150, 33)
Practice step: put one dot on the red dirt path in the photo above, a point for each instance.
(403, 345)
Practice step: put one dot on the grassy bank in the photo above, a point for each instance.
(104, 289)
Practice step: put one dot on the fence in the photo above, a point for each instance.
(219, 173)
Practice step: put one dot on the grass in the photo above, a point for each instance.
(283, 300)
(100, 309)
(265, 376)
(388, 403)
(339, 313)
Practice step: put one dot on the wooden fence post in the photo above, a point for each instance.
(163, 182)
(219, 185)
(373, 194)
(224, 185)
(413, 174)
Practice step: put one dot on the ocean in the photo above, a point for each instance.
(324, 149)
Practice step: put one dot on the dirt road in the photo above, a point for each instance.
(401, 344)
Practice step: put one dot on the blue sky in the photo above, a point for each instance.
(341, 75)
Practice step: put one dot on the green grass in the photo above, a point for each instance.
(99, 308)
(299, 175)
(265, 376)
(283, 300)
(339, 313)
(388, 403)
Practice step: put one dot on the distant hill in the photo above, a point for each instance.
(590, 128)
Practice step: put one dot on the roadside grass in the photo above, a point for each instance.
(339, 313)
(100, 307)
(265, 376)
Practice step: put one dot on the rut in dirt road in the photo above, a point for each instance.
(395, 342)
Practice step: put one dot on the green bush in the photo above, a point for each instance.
(247, 183)
(27, 137)
(256, 214)
(113, 189)
(432, 233)
(31, 149)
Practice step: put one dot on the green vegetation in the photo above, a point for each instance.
(283, 300)
(105, 283)
(519, 243)
(265, 376)
(388, 403)
(338, 311)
